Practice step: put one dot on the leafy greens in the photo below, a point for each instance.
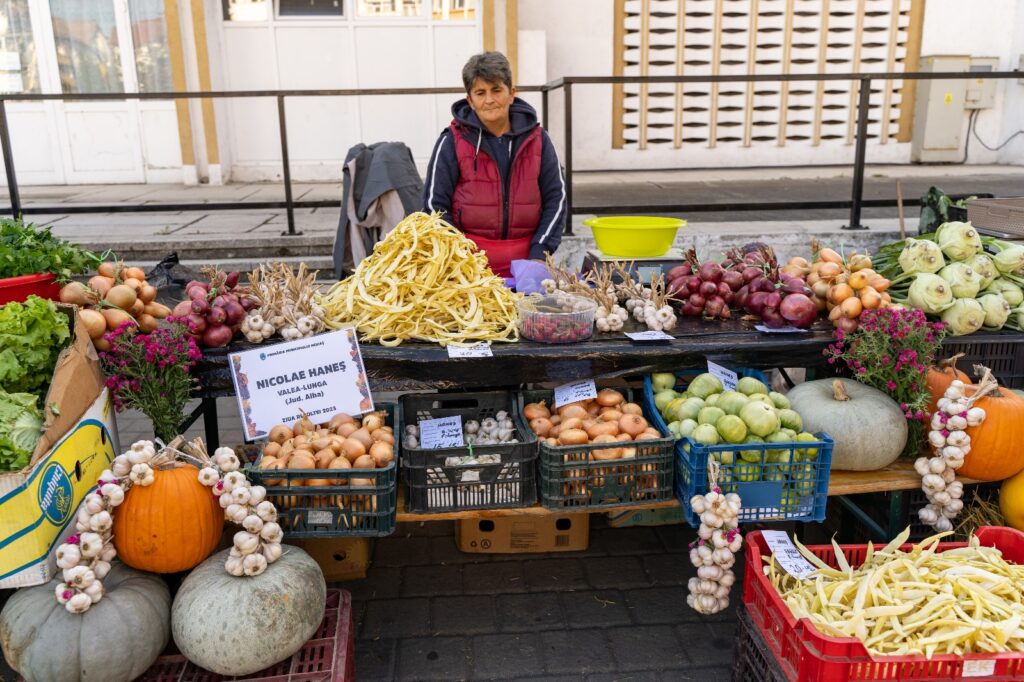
(32, 335)
(21, 425)
(28, 250)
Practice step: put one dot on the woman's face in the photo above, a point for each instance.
(491, 102)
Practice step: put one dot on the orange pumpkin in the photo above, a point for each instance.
(940, 377)
(997, 444)
(170, 526)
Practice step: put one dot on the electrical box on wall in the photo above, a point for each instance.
(939, 111)
(981, 91)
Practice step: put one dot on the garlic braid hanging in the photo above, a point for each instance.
(951, 444)
(713, 553)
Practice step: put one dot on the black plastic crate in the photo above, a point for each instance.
(364, 506)
(1004, 356)
(754, 660)
(571, 478)
(454, 479)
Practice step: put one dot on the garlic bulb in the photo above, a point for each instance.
(714, 552)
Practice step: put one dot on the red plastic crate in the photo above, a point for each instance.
(807, 655)
(20, 288)
(329, 656)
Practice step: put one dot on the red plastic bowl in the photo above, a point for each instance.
(20, 288)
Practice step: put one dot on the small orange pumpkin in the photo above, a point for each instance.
(997, 444)
(170, 526)
(940, 377)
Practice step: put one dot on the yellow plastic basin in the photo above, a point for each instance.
(634, 236)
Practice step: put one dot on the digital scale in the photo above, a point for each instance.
(641, 268)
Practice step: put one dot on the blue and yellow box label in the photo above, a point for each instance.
(38, 505)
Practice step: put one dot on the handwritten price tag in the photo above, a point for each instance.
(480, 350)
(786, 553)
(649, 336)
(979, 668)
(441, 433)
(575, 392)
(728, 377)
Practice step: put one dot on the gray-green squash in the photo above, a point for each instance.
(868, 427)
(116, 640)
(240, 625)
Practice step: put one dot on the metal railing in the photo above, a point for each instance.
(565, 84)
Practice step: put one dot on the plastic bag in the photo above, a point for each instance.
(528, 276)
(169, 276)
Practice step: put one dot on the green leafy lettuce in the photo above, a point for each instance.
(32, 335)
(21, 425)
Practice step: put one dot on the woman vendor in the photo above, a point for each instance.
(494, 173)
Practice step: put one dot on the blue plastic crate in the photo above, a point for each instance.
(773, 493)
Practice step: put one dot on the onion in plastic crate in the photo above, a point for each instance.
(556, 318)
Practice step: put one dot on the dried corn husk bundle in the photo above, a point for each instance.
(921, 602)
(287, 303)
(424, 281)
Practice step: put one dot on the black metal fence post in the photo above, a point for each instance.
(289, 206)
(5, 143)
(863, 101)
(544, 108)
(568, 157)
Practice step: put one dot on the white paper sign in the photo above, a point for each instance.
(787, 555)
(728, 377)
(321, 375)
(480, 350)
(575, 392)
(445, 432)
(979, 668)
(649, 335)
(779, 330)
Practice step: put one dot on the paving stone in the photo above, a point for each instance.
(381, 582)
(638, 541)
(427, 581)
(446, 659)
(624, 677)
(660, 605)
(716, 648)
(648, 647)
(507, 656)
(576, 651)
(462, 615)
(587, 609)
(498, 577)
(554, 574)
(401, 551)
(668, 569)
(676, 537)
(551, 678)
(528, 612)
(443, 550)
(620, 571)
(720, 673)
(375, 659)
(396, 618)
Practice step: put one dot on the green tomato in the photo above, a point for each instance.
(761, 398)
(774, 475)
(746, 472)
(780, 401)
(730, 427)
(686, 427)
(706, 434)
(760, 418)
(704, 385)
(689, 409)
(663, 381)
(807, 453)
(663, 398)
(673, 428)
(804, 478)
(752, 455)
(790, 498)
(732, 402)
(727, 457)
(791, 420)
(790, 435)
(750, 386)
(710, 415)
(712, 400)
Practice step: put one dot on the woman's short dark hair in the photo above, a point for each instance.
(492, 67)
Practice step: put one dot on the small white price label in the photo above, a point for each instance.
(649, 335)
(480, 350)
(786, 553)
(445, 432)
(728, 377)
(779, 330)
(315, 517)
(979, 667)
(575, 392)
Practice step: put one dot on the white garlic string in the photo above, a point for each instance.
(714, 551)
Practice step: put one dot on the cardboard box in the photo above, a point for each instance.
(524, 534)
(340, 559)
(38, 504)
(664, 516)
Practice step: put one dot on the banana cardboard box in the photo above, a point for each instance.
(39, 503)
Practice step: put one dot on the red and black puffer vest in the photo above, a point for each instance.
(479, 205)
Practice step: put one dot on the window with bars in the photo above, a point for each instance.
(710, 37)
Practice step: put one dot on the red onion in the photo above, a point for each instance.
(710, 272)
(217, 336)
(678, 271)
(799, 310)
(217, 315)
(708, 289)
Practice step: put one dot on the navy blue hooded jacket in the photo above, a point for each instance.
(443, 170)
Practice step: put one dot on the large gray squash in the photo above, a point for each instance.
(240, 625)
(116, 640)
(868, 427)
